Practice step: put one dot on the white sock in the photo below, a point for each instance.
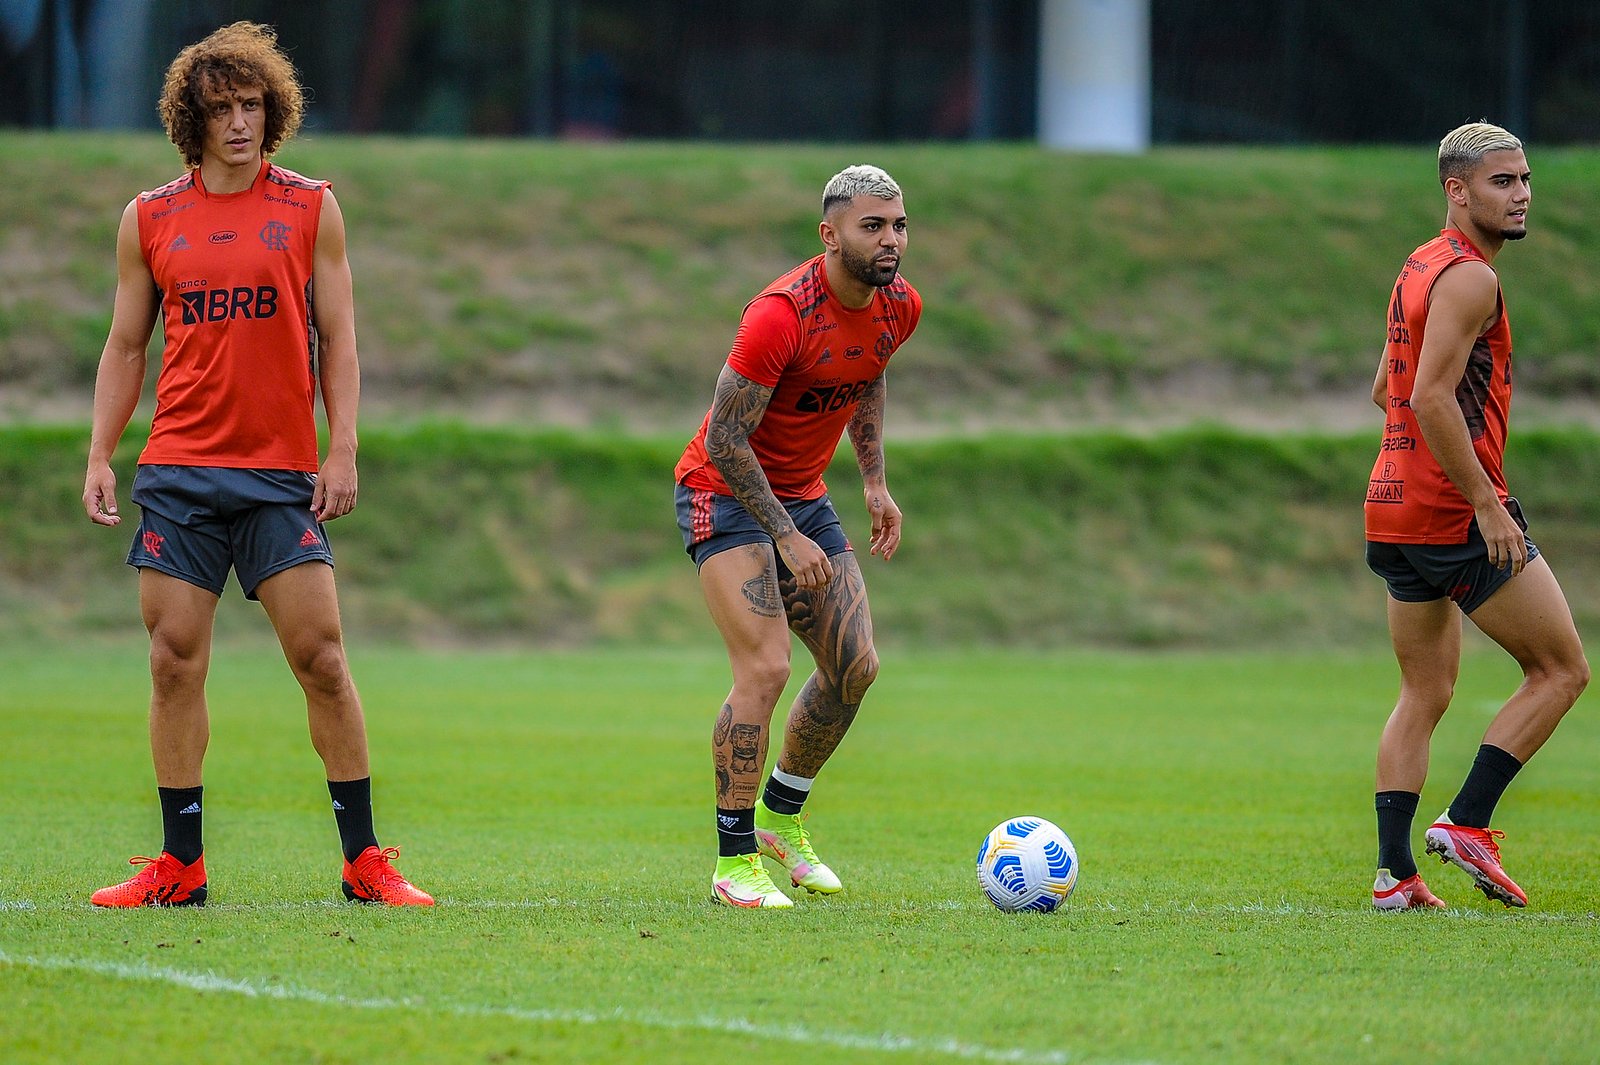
(798, 783)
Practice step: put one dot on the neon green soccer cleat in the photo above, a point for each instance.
(784, 839)
(742, 881)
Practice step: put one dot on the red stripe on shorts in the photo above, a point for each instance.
(700, 509)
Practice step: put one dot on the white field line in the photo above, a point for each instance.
(209, 982)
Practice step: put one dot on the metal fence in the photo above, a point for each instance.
(1277, 71)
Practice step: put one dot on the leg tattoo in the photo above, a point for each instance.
(817, 724)
(761, 592)
(836, 625)
(746, 748)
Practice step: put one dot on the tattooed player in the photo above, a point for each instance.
(807, 365)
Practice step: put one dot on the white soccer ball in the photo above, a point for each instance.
(1027, 863)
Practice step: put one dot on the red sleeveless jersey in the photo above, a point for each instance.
(1410, 500)
(818, 356)
(234, 272)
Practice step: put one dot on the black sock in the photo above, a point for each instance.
(1491, 771)
(736, 832)
(1395, 812)
(783, 798)
(180, 823)
(352, 809)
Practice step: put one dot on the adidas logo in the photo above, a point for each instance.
(181, 244)
(192, 808)
(727, 822)
(310, 539)
(337, 805)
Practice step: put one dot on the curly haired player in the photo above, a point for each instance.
(245, 264)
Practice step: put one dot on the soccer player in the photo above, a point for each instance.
(245, 263)
(807, 365)
(1446, 536)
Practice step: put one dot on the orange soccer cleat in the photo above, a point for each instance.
(1408, 894)
(1475, 850)
(163, 881)
(370, 878)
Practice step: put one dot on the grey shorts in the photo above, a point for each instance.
(1462, 573)
(197, 522)
(713, 523)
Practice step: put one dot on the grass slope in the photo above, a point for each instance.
(1204, 538)
(599, 285)
(558, 805)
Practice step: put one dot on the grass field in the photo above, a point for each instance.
(598, 285)
(559, 807)
(1195, 540)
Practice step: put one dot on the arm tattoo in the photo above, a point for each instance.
(866, 430)
(736, 412)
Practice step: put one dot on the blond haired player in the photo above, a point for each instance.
(1446, 535)
(808, 364)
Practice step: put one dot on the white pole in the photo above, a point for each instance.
(1094, 75)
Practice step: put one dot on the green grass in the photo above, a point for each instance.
(1202, 538)
(506, 280)
(558, 805)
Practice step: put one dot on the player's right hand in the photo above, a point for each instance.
(100, 495)
(1503, 538)
(805, 560)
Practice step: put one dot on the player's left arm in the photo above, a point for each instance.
(335, 317)
(1380, 387)
(1464, 303)
(866, 436)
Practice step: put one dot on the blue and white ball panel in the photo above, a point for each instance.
(1027, 863)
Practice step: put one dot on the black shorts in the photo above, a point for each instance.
(197, 522)
(1462, 573)
(713, 523)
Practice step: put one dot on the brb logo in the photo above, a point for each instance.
(827, 400)
(225, 304)
(275, 235)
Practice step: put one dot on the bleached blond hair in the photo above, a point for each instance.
(1464, 147)
(859, 180)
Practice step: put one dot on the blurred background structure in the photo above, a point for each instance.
(558, 208)
(1261, 71)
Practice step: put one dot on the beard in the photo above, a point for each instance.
(1497, 224)
(867, 271)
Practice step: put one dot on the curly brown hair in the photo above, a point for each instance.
(243, 54)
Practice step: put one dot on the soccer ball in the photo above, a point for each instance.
(1027, 863)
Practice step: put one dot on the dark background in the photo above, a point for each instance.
(1262, 71)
